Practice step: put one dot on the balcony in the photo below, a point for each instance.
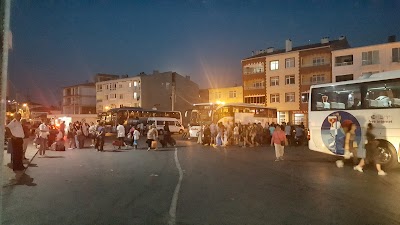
(344, 60)
(254, 88)
(344, 63)
(315, 64)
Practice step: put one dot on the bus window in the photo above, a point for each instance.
(382, 94)
(159, 123)
(336, 97)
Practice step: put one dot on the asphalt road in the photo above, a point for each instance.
(219, 186)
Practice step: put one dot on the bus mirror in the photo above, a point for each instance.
(186, 113)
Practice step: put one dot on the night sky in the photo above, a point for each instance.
(57, 43)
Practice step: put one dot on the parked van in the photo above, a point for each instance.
(174, 125)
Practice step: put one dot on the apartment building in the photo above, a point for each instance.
(352, 63)
(282, 78)
(79, 99)
(226, 95)
(147, 91)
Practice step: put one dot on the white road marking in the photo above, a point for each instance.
(174, 202)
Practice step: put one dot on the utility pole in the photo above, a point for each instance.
(173, 90)
(5, 25)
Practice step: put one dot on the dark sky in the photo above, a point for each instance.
(64, 42)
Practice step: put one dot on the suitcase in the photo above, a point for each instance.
(154, 144)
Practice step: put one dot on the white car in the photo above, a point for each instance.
(174, 125)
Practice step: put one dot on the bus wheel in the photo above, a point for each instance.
(387, 154)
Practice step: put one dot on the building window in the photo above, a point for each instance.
(258, 84)
(318, 79)
(120, 86)
(99, 87)
(304, 97)
(135, 95)
(274, 81)
(318, 61)
(113, 96)
(395, 54)
(274, 65)
(232, 94)
(130, 84)
(106, 97)
(218, 95)
(289, 79)
(289, 62)
(121, 96)
(135, 83)
(107, 87)
(344, 77)
(371, 57)
(274, 98)
(113, 86)
(289, 97)
(255, 100)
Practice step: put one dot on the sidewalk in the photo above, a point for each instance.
(8, 173)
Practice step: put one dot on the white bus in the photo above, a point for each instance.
(244, 113)
(200, 115)
(371, 99)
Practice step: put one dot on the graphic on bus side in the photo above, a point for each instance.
(334, 128)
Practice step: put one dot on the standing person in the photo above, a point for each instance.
(85, 129)
(207, 135)
(200, 136)
(371, 148)
(288, 132)
(236, 134)
(17, 135)
(299, 136)
(135, 137)
(71, 136)
(279, 140)
(92, 133)
(152, 135)
(26, 137)
(43, 134)
(101, 134)
(213, 129)
(62, 128)
(271, 128)
(167, 134)
(121, 134)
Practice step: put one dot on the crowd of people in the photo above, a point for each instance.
(243, 135)
(249, 135)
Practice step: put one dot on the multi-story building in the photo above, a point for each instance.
(226, 95)
(79, 99)
(352, 63)
(148, 91)
(282, 78)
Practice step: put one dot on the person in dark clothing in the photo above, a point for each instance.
(101, 134)
(17, 134)
(207, 135)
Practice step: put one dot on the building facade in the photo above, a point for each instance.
(226, 95)
(79, 99)
(287, 75)
(148, 91)
(352, 63)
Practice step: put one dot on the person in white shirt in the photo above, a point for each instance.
(43, 133)
(121, 135)
(92, 133)
(17, 135)
(236, 134)
(135, 137)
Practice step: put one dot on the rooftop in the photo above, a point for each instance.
(339, 44)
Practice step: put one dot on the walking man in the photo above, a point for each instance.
(17, 135)
(43, 133)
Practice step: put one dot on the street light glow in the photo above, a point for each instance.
(24, 105)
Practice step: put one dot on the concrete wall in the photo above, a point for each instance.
(157, 90)
(357, 69)
(225, 97)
